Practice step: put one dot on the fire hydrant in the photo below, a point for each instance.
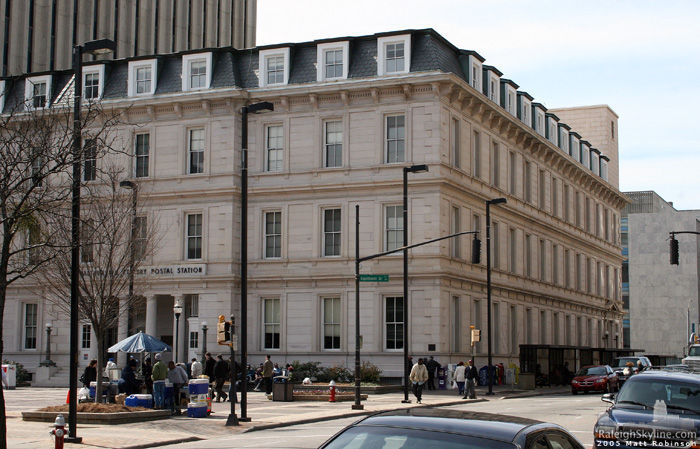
(59, 431)
(332, 391)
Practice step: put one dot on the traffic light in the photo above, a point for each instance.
(223, 331)
(476, 336)
(476, 250)
(674, 251)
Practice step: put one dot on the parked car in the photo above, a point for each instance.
(653, 409)
(619, 365)
(595, 378)
(422, 428)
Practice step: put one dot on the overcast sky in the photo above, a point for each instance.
(640, 57)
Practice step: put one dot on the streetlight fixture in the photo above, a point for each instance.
(204, 340)
(255, 108)
(489, 368)
(48, 361)
(177, 309)
(101, 46)
(422, 168)
(690, 337)
(126, 184)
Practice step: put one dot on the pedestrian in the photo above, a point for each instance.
(418, 376)
(220, 374)
(90, 374)
(259, 381)
(432, 366)
(472, 375)
(160, 373)
(128, 384)
(276, 371)
(567, 376)
(147, 371)
(196, 368)
(267, 373)
(209, 365)
(110, 365)
(178, 377)
(460, 377)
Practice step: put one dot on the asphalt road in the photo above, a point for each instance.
(578, 414)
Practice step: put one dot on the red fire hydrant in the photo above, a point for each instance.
(332, 392)
(59, 431)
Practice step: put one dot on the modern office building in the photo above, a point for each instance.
(660, 300)
(349, 114)
(39, 35)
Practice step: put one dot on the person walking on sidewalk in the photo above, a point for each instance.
(472, 375)
(267, 373)
(432, 366)
(159, 374)
(220, 374)
(196, 368)
(460, 377)
(178, 377)
(418, 376)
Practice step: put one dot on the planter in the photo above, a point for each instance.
(101, 418)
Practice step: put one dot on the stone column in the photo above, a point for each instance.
(152, 316)
(122, 330)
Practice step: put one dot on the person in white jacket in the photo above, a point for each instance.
(460, 377)
(419, 375)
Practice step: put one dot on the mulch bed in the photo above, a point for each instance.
(95, 408)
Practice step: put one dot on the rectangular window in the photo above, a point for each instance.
(333, 63)
(34, 245)
(393, 228)
(90, 160)
(141, 151)
(30, 325)
(528, 255)
(513, 245)
(512, 178)
(567, 203)
(476, 154)
(194, 339)
(395, 59)
(143, 80)
(395, 138)
(543, 327)
(527, 181)
(331, 232)
(140, 237)
(455, 143)
(495, 165)
(542, 189)
(567, 268)
(475, 76)
(37, 169)
(333, 144)
(577, 211)
(513, 330)
(555, 264)
(529, 325)
(198, 74)
(39, 95)
(476, 322)
(275, 70)
(331, 323)
(274, 148)
(455, 228)
(92, 86)
(194, 236)
(555, 197)
(457, 324)
(496, 247)
(578, 272)
(196, 152)
(86, 336)
(496, 328)
(393, 321)
(556, 326)
(192, 302)
(273, 235)
(271, 323)
(543, 260)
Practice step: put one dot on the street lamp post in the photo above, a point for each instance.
(204, 340)
(255, 108)
(489, 334)
(48, 361)
(126, 184)
(177, 309)
(422, 168)
(100, 46)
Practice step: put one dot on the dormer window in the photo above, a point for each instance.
(564, 137)
(332, 60)
(274, 67)
(525, 108)
(492, 83)
(552, 129)
(36, 92)
(538, 118)
(509, 95)
(586, 154)
(595, 161)
(196, 71)
(394, 54)
(142, 77)
(473, 69)
(93, 81)
(604, 167)
(575, 146)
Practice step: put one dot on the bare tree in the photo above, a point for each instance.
(36, 157)
(116, 240)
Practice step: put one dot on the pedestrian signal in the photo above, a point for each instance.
(223, 331)
(476, 250)
(476, 335)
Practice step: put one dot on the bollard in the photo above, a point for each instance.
(59, 431)
(332, 391)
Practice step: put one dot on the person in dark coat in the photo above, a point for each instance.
(432, 366)
(128, 383)
(90, 374)
(147, 370)
(220, 374)
(209, 367)
(472, 376)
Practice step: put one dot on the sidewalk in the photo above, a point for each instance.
(264, 414)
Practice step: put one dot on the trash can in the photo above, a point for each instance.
(282, 389)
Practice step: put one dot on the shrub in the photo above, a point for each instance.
(338, 373)
(306, 369)
(370, 373)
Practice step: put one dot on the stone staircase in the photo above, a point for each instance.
(52, 377)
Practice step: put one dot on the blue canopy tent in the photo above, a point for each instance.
(140, 343)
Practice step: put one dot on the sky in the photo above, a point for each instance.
(640, 57)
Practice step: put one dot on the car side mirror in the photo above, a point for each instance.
(608, 397)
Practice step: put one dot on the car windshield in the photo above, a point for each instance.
(592, 371)
(651, 392)
(622, 362)
(372, 437)
(694, 351)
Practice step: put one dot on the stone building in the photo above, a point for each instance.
(349, 114)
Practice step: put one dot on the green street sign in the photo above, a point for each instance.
(374, 278)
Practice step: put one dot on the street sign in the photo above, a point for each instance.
(374, 278)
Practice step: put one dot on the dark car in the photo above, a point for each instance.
(421, 428)
(620, 366)
(653, 409)
(594, 378)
